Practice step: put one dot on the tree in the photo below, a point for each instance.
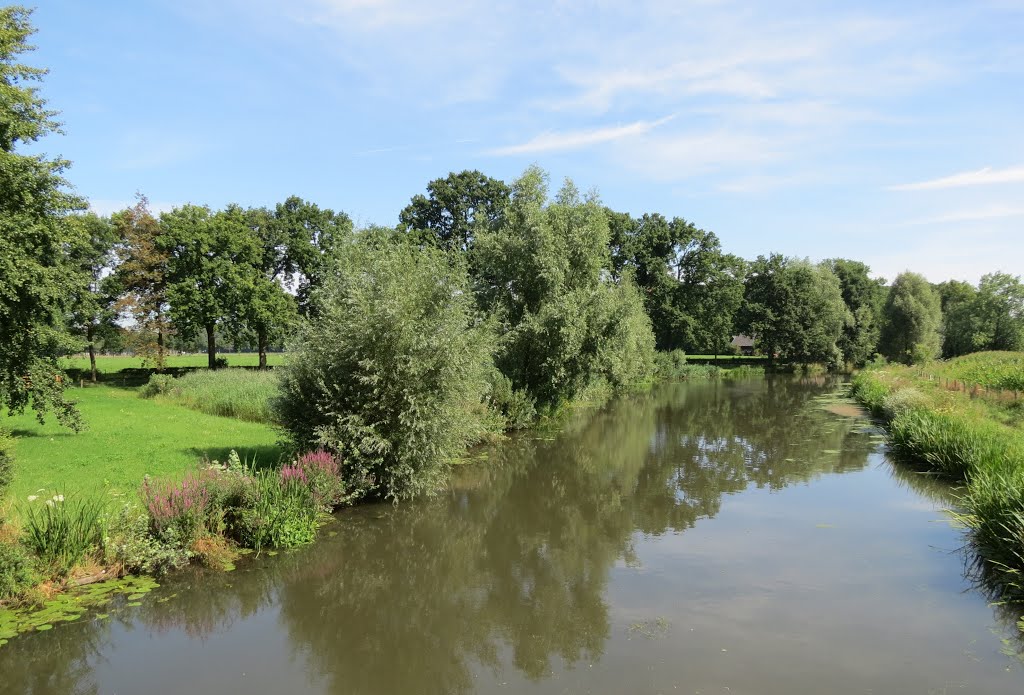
(267, 309)
(794, 309)
(36, 273)
(911, 320)
(543, 273)
(92, 300)
(959, 323)
(141, 278)
(209, 269)
(999, 306)
(391, 371)
(448, 215)
(691, 289)
(300, 242)
(863, 298)
(709, 290)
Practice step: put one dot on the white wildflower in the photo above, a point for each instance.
(33, 498)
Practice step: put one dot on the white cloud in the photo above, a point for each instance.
(982, 177)
(575, 139)
(992, 212)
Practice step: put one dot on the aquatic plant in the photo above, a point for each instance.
(275, 513)
(63, 529)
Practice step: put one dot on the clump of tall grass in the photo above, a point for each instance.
(61, 530)
(994, 517)
(277, 512)
(948, 443)
(239, 393)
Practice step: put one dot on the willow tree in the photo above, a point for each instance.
(911, 320)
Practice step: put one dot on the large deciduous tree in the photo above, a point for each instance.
(211, 257)
(911, 320)
(448, 216)
(691, 289)
(36, 274)
(794, 309)
(301, 242)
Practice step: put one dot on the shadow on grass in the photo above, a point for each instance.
(265, 456)
(19, 433)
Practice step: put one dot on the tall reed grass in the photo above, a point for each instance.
(239, 393)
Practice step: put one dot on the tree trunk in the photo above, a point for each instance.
(261, 338)
(211, 347)
(89, 335)
(160, 359)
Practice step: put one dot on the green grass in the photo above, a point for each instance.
(241, 393)
(128, 437)
(108, 364)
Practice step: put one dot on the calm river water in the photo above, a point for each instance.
(724, 537)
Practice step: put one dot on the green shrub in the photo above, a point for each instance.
(17, 573)
(391, 375)
(131, 544)
(61, 531)
(670, 365)
(515, 407)
(157, 385)
(276, 513)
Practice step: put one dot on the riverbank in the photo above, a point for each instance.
(963, 419)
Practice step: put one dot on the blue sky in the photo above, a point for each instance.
(886, 132)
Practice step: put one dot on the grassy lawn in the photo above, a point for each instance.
(108, 364)
(128, 438)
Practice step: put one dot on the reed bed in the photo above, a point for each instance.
(236, 393)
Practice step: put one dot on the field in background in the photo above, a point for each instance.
(108, 364)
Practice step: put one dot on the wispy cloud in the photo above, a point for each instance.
(982, 177)
(994, 212)
(575, 139)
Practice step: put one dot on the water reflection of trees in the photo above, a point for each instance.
(515, 558)
(512, 562)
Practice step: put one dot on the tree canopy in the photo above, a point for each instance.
(36, 273)
(448, 216)
(794, 309)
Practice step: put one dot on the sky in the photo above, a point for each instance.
(891, 133)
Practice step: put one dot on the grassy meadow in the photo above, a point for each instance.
(128, 437)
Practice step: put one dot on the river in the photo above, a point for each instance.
(736, 536)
